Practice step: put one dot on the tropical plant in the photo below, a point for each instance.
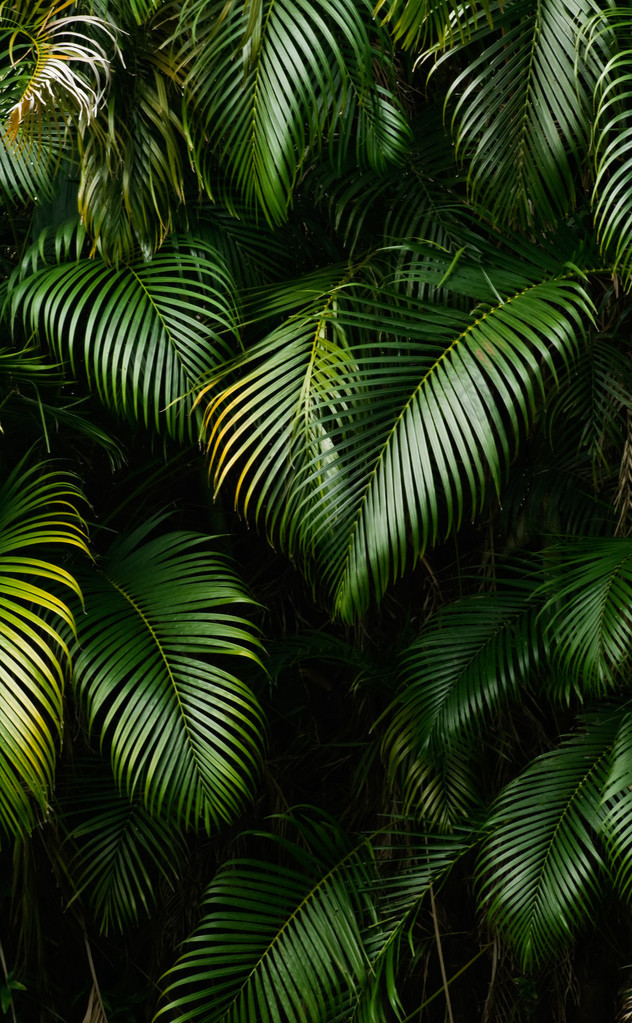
(316, 503)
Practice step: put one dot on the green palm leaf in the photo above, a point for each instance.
(616, 819)
(132, 165)
(425, 23)
(596, 398)
(152, 670)
(121, 852)
(266, 81)
(357, 446)
(588, 614)
(472, 657)
(37, 510)
(300, 940)
(522, 116)
(469, 662)
(613, 151)
(272, 944)
(147, 334)
(540, 867)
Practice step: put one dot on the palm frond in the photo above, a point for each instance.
(613, 151)
(132, 167)
(121, 852)
(356, 446)
(152, 669)
(540, 870)
(472, 658)
(277, 942)
(425, 24)
(617, 806)
(147, 335)
(588, 613)
(597, 397)
(267, 81)
(293, 941)
(523, 111)
(54, 73)
(37, 513)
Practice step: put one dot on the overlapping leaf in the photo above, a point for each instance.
(523, 113)
(132, 169)
(358, 444)
(54, 71)
(423, 24)
(266, 81)
(161, 632)
(613, 150)
(297, 941)
(616, 819)
(37, 517)
(588, 614)
(121, 852)
(469, 661)
(147, 334)
(541, 868)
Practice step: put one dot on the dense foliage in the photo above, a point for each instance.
(316, 511)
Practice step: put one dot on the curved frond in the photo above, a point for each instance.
(523, 113)
(292, 942)
(161, 631)
(146, 334)
(37, 513)
(540, 867)
(597, 397)
(277, 941)
(613, 152)
(616, 817)
(54, 73)
(268, 80)
(423, 24)
(121, 853)
(358, 446)
(132, 169)
(468, 663)
(588, 614)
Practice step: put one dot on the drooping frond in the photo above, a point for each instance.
(147, 334)
(588, 614)
(425, 24)
(540, 867)
(472, 659)
(54, 73)
(523, 110)
(613, 151)
(37, 517)
(616, 829)
(121, 851)
(359, 445)
(294, 941)
(160, 633)
(132, 168)
(267, 81)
